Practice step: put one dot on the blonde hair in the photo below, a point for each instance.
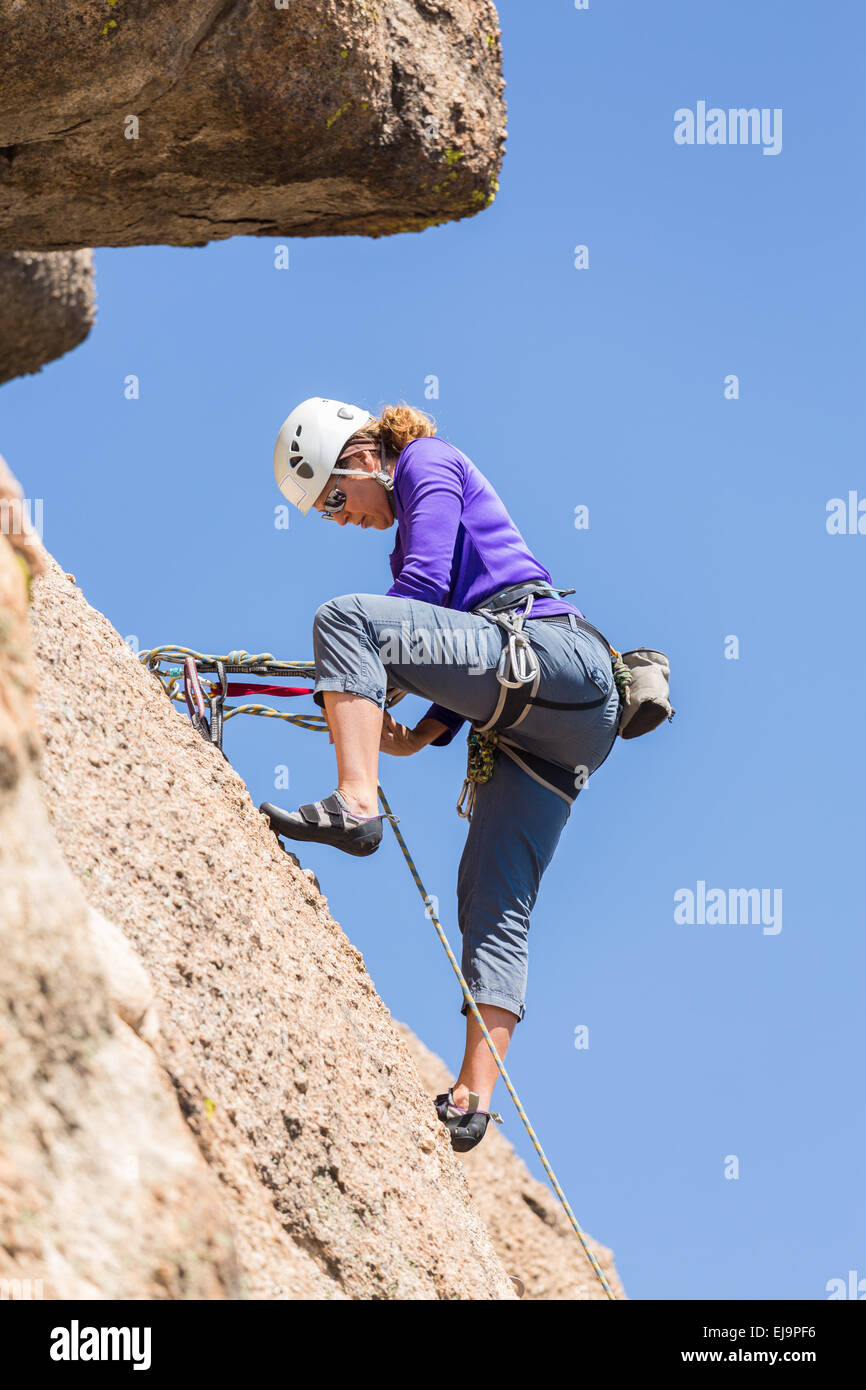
(397, 426)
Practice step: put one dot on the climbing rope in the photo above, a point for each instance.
(262, 664)
(265, 664)
(473, 1009)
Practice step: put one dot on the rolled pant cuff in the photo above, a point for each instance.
(349, 685)
(502, 1001)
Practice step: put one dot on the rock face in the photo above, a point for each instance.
(22, 559)
(338, 1180)
(103, 1190)
(529, 1228)
(46, 307)
(144, 121)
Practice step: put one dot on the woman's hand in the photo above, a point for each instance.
(400, 741)
(397, 739)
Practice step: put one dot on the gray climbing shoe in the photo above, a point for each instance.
(327, 822)
(466, 1127)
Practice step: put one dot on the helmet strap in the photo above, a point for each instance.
(382, 476)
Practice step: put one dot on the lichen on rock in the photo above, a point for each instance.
(183, 124)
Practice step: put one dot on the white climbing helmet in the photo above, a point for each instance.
(309, 444)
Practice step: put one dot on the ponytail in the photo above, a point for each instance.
(397, 426)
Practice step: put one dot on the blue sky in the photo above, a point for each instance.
(601, 387)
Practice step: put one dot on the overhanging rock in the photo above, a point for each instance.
(145, 121)
(46, 307)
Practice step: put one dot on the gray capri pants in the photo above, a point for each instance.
(366, 643)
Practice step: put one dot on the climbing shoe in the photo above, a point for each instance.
(467, 1127)
(327, 822)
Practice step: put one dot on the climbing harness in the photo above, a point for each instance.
(641, 679)
(175, 661)
(519, 677)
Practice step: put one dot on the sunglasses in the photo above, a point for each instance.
(336, 498)
(333, 503)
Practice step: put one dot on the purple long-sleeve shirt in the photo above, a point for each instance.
(456, 544)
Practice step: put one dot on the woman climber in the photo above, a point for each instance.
(472, 623)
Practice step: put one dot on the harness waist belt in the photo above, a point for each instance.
(513, 594)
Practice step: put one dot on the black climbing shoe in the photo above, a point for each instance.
(327, 822)
(467, 1127)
